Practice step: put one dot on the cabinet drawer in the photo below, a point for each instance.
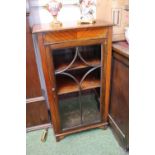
(92, 33)
(60, 36)
(72, 35)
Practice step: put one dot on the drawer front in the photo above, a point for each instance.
(60, 36)
(76, 34)
(92, 33)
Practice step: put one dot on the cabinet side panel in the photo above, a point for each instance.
(119, 104)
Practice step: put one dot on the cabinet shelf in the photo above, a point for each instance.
(68, 86)
(78, 64)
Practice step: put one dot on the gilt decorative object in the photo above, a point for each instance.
(54, 6)
(88, 11)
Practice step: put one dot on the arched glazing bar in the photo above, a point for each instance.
(65, 69)
(82, 59)
(88, 72)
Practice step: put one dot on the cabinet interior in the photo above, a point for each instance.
(78, 84)
(79, 109)
(90, 55)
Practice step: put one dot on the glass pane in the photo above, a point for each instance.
(78, 84)
(69, 109)
(90, 107)
(90, 99)
(62, 58)
(91, 55)
(76, 57)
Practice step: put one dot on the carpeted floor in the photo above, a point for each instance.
(92, 142)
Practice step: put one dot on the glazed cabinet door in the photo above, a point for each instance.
(77, 84)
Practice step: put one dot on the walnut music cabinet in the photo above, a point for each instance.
(76, 61)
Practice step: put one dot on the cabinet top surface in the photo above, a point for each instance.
(67, 26)
(121, 47)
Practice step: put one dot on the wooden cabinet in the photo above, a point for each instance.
(36, 109)
(76, 64)
(119, 101)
